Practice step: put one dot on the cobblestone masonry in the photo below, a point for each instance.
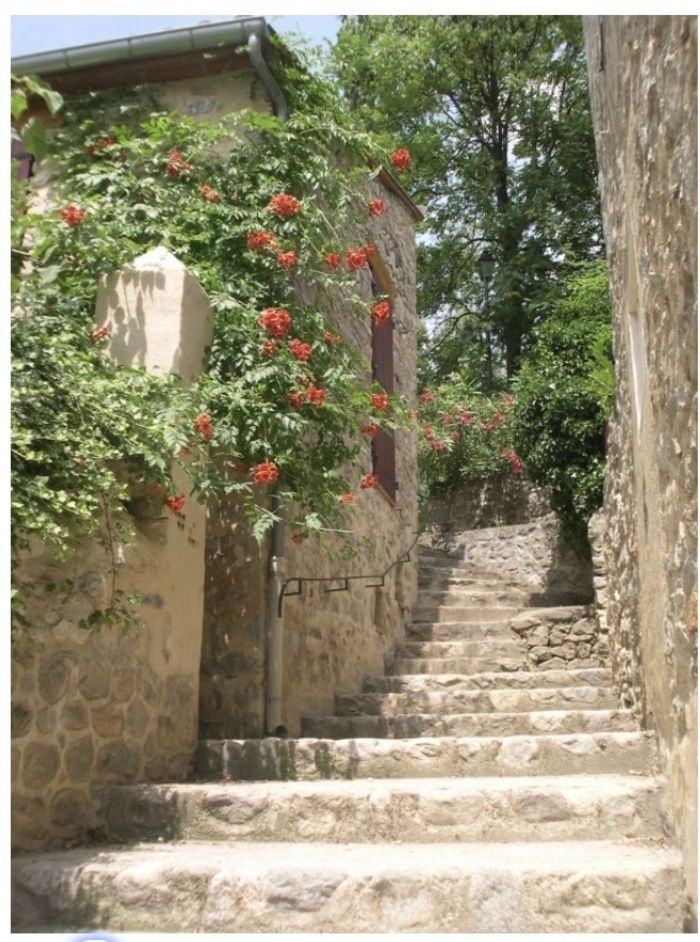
(643, 82)
(533, 553)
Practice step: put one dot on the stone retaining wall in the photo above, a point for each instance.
(534, 554)
(561, 638)
(500, 501)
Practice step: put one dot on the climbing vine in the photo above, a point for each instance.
(255, 208)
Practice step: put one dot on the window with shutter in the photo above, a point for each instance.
(383, 446)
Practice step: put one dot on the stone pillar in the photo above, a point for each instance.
(103, 706)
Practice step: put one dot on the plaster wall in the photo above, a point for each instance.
(643, 83)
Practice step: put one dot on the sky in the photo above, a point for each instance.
(39, 33)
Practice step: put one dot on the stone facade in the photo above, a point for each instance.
(331, 640)
(95, 707)
(533, 554)
(102, 705)
(643, 82)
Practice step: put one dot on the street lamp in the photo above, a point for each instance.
(486, 264)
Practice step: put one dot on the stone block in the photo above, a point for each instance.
(108, 721)
(78, 759)
(46, 720)
(565, 651)
(123, 680)
(28, 818)
(137, 719)
(74, 715)
(118, 761)
(94, 677)
(41, 762)
(21, 717)
(69, 810)
(52, 677)
(558, 636)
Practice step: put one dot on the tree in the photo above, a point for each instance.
(562, 404)
(494, 110)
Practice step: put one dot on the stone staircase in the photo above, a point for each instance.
(462, 791)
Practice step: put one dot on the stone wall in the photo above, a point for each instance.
(95, 706)
(500, 501)
(643, 82)
(331, 640)
(533, 554)
(561, 638)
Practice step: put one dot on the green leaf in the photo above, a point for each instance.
(34, 138)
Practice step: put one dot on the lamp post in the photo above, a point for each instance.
(486, 264)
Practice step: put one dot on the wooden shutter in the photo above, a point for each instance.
(383, 446)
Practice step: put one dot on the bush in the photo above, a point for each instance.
(464, 436)
(559, 412)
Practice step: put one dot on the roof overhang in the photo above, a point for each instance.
(154, 57)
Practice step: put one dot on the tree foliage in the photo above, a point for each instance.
(495, 111)
(559, 413)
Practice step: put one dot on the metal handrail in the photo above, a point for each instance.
(346, 580)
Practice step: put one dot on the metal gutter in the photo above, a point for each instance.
(148, 46)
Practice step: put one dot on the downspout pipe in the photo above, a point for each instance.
(262, 70)
(274, 725)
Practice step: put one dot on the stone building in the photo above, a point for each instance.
(643, 84)
(90, 708)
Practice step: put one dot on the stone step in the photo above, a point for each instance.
(434, 567)
(499, 700)
(467, 597)
(460, 631)
(464, 613)
(458, 665)
(420, 810)
(599, 886)
(466, 647)
(413, 725)
(439, 579)
(488, 680)
(299, 759)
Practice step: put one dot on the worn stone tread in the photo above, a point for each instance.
(411, 725)
(602, 886)
(427, 757)
(465, 613)
(500, 700)
(508, 646)
(466, 595)
(459, 665)
(486, 680)
(459, 631)
(368, 810)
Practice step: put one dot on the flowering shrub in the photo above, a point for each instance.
(400, 160)
(464, 436)
(284, 412)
